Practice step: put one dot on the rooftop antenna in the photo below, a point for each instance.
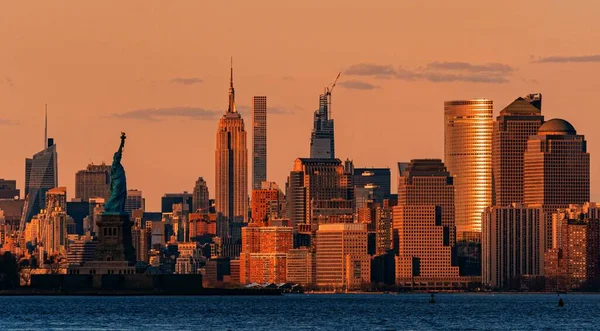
(46, 128)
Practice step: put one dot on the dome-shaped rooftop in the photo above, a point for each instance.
(557, 126)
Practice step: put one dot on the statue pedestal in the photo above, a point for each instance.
(114, 239)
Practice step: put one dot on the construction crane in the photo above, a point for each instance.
(328, 91)
(21, 232)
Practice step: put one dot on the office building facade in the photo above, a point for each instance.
(93, 182)
(468, 126)
(200, 198)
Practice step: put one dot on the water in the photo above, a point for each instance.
(304, 312)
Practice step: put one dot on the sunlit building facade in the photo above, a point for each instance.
(556, 172)
(468, 127)
(264, 253)
(200, 198)
(322, 143)
(41, 174)
(512, 129)
(231, 172)
(93, 182)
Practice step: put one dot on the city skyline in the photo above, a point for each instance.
(160, 88)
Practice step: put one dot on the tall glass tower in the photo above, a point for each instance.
(468, 127)
(322, 144)
(41, 175)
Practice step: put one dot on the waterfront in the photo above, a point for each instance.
(303, 312)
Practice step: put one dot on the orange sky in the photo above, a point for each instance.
(133, 66)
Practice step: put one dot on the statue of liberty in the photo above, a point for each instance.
(118, 184)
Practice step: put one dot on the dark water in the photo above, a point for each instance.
(304, 312)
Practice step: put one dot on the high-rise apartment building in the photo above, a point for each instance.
(468, 129)
(319, 184)
(322, 143)
(8, 189)
(556, 172)
(424, 250)
(93, 182)
(427, 182)
(575, 262)
(342, 260)
(512, 129)
(41, 174)
(259, 141)
(231, 172)
(268, 202)
(264, 253)
(200, 199)
(510, 244)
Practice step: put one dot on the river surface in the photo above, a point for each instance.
(303, 312)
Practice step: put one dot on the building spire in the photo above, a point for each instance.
(46, 128)
(231, 108)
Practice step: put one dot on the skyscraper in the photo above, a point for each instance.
(169, 199)
(93, 182)
(371, 182)
(267, 202)
(342, 261)
(556, 172)
(41, 174)
(231, 170)
(468, 129)
(322, 144)
(427, 182)
(510, 244)
(259, 141)
(512, 129)
(134, 201)
(200, 199)
(319, 190)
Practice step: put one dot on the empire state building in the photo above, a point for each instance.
(231, 172)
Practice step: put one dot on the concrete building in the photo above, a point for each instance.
(231, 173)
(342, 261)
(425, 255)
(190, 258)
(556, 172)
(268, 202)
(468, 127)
(300, 266)
(320, 183)
(93, 182)
(259, 141)
(200, 198)
(263, 257)
(576, 260)
(510, 245)
(512, 129)
(427, 182)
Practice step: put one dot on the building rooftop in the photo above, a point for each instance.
(557, 126)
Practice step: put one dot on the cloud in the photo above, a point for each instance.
(156, 114)
(186, 81)
(567, 59)
(357, 85)
(468, 67)
(437, 72)
(271, 110)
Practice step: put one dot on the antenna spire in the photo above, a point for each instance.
(231, 108)
(46, 128)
